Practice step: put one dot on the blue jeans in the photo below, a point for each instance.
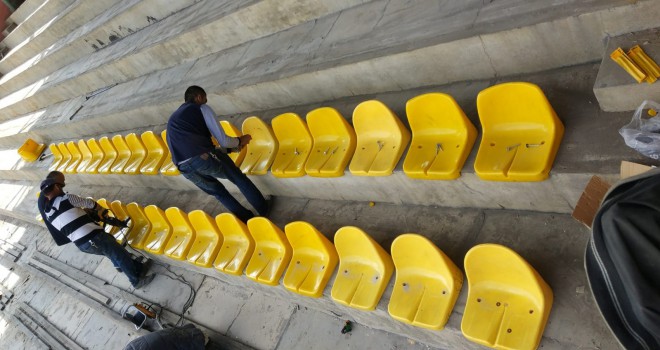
(204, 173)
(104, 244)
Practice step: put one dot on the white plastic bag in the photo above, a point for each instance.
(643, 131)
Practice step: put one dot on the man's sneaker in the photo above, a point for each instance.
(145, 267)
(144, 281)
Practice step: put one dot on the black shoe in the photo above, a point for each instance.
(144, 281)
(145, 267)
(270, 202)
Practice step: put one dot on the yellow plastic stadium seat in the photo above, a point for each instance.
(140, 228)
(66, 157)
(138, 154)
(120, 212)
(123, 154)
(261, 150)
(442, 137)
(313, 262)
(237, 247)
(508, 302)
(233, 131)
(521, 133)
(75, 157)
(109, 155)
(168, 168)
(57, 157)
(160, 230)
(97, 156)
(427, 283)
(109, 228)
(207, 239)
(365, 269)
(182, 236)
(271, 254)
(155, 153)
(334, 143)
(86, 156)
(381, 139)
(295, 143)
(31, 150)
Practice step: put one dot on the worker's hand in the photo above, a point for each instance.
(100, 210)
(244, 140)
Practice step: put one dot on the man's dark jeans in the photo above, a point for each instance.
(104, 244)
(205, 173)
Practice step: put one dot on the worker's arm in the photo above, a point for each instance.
(215, 129)
(85, 203)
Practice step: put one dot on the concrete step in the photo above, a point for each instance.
(38, 16)
(23, 12)
(614, 88)
(319, 50)
(552, 243)
(123, 19)
(588, 148)
(64, 22)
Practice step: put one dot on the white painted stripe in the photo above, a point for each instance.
(67, 217)
(83, 231)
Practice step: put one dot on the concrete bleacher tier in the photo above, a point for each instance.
(97, 81)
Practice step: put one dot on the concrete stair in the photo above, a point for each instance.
(31, 16)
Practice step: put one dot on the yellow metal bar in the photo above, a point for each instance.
(646, 63)
(628, 65)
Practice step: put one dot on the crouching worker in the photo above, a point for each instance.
(65, 212)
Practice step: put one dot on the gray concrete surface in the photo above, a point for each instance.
(28, 23)
(614, 88)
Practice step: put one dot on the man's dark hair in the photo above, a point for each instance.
(53, 174)
(192, 92)
(48, 190)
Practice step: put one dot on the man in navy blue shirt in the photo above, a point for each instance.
(189, 132)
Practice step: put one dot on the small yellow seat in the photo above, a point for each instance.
(75, 157)
(334, 143)
(66, 157)
(207, 239)
(381, 139)
(123, 154)
(97, 157)
(365, 269)
(261, 150)
(271, 254)
(161, 229)
(168, 168)
(109, 155)
(233, 131)
(313, 262)
(138, 154)
(182, 236)
(140, 227)
(521, 133)
(295, 143)
(31, 150)
(508, 302)
(120, 212)
(112, 230)
(57, 157)
(237, 247)
(427, 283)
(442, 137)
(155, 153)
(86, 156)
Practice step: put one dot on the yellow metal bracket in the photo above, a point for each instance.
(646, 63)
(620, 57)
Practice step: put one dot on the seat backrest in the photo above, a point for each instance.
(261, 150)
(57, 156)
(141, 226)
(295, 144)
(123, 154)
(109, 155)
(182, 236)
(66, 156)
(237, 247)
(75, 157)
(97, 156)
(515, 106)
(365, 269)
(272, 252)
(313, 262)
(160, 230)
(86, 156)
(231, 130)
(381, 139)
(427, 283)
(334, 143)
(207, 239)
(155, 153)
(138, 154)
(168, 168)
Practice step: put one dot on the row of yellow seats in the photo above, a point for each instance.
(521, 136)
(145, 154)
(508, 301)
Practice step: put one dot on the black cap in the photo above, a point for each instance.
(47, 183)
